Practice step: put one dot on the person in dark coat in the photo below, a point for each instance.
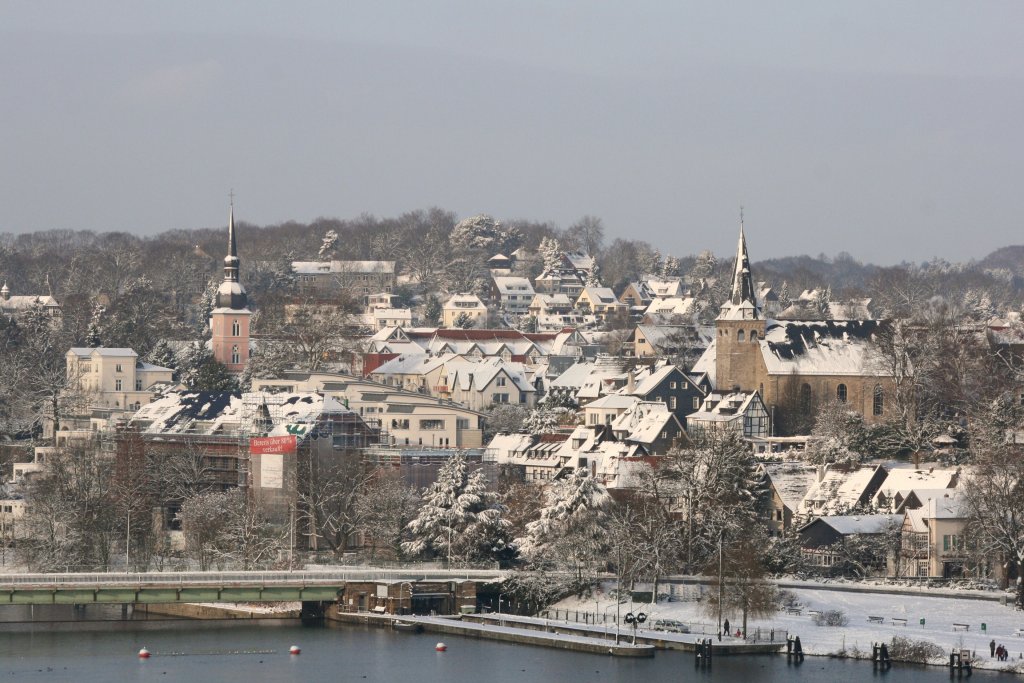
(725, 626)
(992, 647)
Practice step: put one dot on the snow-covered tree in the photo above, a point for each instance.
(94, 334)
(670, 268)
(994, 492)
(460, 518)
(505, 417)
(718, 487)
(163, 355)
(200, 371)
(652, 262)
(464, 321)
(839, 435)
(785, 299)
(328, 245)
(593, 278)
(572, 531)
(386, 506)
(551, 253)
(270, 360)
(703, 266)
(544, 420)
(822, 299)
(432, 311)
(484, 234)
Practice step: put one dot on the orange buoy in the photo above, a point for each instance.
(294, 650)
(144, 653)
(440, 647)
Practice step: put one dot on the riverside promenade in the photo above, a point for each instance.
(561, 639)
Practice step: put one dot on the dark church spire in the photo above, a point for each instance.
(742, 283)
(231, 294)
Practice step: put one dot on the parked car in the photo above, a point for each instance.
(670, 625)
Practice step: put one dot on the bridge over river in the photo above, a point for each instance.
(168, 587)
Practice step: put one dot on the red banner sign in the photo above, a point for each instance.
(272, 444)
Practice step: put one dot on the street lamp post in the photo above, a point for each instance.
(499, 601)
(128, 542)
(635, 620)
(616, 606)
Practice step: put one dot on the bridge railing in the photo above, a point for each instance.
(320, 577)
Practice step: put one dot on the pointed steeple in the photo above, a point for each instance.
(742, 303)
(232, 247)
(742, 282)
(231, 294)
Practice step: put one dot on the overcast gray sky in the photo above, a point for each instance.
(888, 130)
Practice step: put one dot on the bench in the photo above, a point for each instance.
(876, 620)
(379, 609)
(899, 621)
(961, 627)
(794, 610)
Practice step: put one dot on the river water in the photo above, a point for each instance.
(252, 652)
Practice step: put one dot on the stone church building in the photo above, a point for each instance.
(796, 366)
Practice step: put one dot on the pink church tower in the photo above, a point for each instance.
(229, 321)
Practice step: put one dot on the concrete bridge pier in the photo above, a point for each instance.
(127, 609)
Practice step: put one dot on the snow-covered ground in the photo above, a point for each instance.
(939, 609)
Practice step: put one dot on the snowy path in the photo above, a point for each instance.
(939, 611)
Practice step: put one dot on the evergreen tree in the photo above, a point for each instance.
(432, 311)
(460, 519)
(572, 529)
(93, 334)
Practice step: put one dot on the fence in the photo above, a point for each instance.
(760, 634)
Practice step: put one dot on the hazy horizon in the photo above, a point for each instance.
(888, 132)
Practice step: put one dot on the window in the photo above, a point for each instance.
(462, 423)
(739, 336)
(878, 404)
(664, 434)
(671, 402)
(235, 328)
(117, 385)
(696, 402)
(117, 368)
(672, 385)
(500, 382)
(432, 425)
(235, 356)
(753, 335)
(841, 393)
(522, 397)
(138, 385)
(499, 398)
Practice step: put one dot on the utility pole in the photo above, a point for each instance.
(721, 579)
